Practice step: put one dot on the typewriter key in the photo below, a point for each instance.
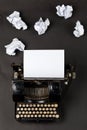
(54, 112)
(26, 112)
(23, 112)
(33, 112)
(36, 109)
(28, 115)
(18, 109)
(20, 105)
(50, 109)
(32, 109)
(47, 109)
(21, 109)
(23, 105)
(50, 115)
(39, 115)
(34, 105)
(52, 105)
(25, 116)
(47, 116)
(41, 105)
(25, 109)
(54, 109)
(27, 105)
(17, 116)
(39, 109)
(56, 105)
(28, 109)
(48, 105)
(35, 116)
(44, 112)
(21, 115)
(57, 116)
(19, 112)
(32, 116)
(45, 105)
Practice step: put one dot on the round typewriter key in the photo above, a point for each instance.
(21, 115)
(38, 105)
(52, 105)
(32, 109)
(47, 109)
(33, 112)
(28, 109)
(23, 105)
(43, 109)
(53, 115)
(43, 115)
(29, 112)
(54, 109)
(48, 105)
(28, 115)
(50, 115)
(44, 112)
(26, 112)
(23, 112)
(32, 116)
(27, 105)
(36, 109)
(37, 112)
(41, 112)
(45, 105)
(39, 115)
(25, 116)
(41, 105)
(18, 109)
(35, 115)
(17, 116)
(57, 116)
(30, 105)
(21, 109)
(47, 116)
(34, 105)
(51, 112)
(54, 112)
(48, 112)
(20, 105)
(50, 109)
(19, 112)
(39, 109)
(25, 109)
(56, 105)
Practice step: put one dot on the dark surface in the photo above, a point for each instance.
(58, 36)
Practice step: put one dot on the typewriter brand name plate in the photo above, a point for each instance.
(43, 64)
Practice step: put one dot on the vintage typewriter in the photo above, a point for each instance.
(37, 90)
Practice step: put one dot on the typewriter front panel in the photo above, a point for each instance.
(38, 99)
(36, 102)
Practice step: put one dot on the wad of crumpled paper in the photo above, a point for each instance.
(13, 46)
(79, 29)
(41, 26)
(16, 20)
(64, 11)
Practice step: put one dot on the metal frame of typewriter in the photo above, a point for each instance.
(38, 99)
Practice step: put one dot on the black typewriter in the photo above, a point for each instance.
(38, 99)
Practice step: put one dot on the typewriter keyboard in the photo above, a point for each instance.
(27, 111)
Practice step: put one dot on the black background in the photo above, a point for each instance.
(58, 36)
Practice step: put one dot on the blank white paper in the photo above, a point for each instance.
(43, 64)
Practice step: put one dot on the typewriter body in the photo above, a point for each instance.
(39, 98)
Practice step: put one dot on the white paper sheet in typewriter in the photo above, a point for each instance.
(43, 64)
